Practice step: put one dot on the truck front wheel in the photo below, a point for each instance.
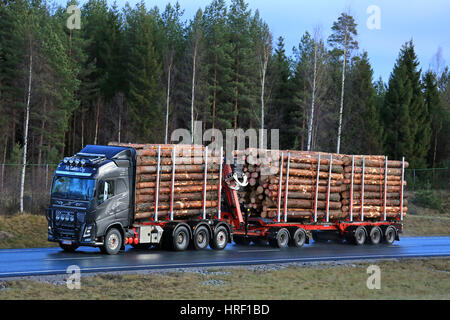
(113, 241)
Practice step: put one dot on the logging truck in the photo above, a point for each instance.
(152, 195)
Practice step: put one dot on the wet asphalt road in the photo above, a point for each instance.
(45, 261)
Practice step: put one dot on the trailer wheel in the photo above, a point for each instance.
(389, 235)
(375, 235)
(281, 240)
(180, 239)
(113, 241)
(201, 238)
(299, 238)
(220, 238)
(360, 235)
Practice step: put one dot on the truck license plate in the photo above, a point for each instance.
(69, 242)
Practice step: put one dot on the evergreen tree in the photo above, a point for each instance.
(436, 111)
(342, 39)
(219, 61)
(144, 71)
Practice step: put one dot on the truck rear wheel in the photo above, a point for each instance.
(220, 238)
(375, 235)
(360, 235)
(281, 239)
(389, 235)
(180, 239)
(113, 241)
(201, 238)
(298, 238)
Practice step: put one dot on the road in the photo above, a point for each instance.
(45, 261)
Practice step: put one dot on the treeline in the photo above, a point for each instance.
(136, 74)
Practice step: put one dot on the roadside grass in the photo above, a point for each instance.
(402, 279)
(24, 231)
(424, 221)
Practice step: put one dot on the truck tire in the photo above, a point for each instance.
(201, 238)
(298, 238)
(220, 238)
(389, 235)
(281, 240)
(360, 236)
(180, 239)
(113, 242)
(68, 247)
(375, 235)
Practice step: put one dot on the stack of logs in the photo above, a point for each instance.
(264, 198)
(188, 182)
(263, 194)
(374, 201)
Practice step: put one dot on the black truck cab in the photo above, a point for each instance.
(92, 193)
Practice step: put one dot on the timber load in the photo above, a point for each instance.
(322, 187)
(175, 181)
(373, 188)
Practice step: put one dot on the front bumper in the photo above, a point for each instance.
(73, 229)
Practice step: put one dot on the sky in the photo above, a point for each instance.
(391, 24)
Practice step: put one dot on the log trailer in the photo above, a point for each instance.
(93, 198)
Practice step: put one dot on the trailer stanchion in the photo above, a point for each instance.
(204, 183)
(317, 189)
(385, 187)
(172, 185)
(287, 187)
(279, 187)
(401, 192)
(362, 187)
(157, 183)
(220, 185)
(351, 189)
(328, 189)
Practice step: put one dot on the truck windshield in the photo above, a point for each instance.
(73, 188)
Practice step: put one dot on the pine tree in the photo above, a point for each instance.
(144, 71)
(436, 111)
(342, 39)
(219, 61)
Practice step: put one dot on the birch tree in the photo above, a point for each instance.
(343, 40)
(264, 51)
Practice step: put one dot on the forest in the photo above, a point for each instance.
(134, 74)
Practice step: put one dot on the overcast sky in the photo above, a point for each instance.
(426, 22)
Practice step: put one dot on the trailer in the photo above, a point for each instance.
(99, 198)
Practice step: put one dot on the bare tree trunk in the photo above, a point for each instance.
(27, 119)
(167, 103)
(263, 84)
(96, 120)
(313, 97)
(214, 95)
(342, 95)
(193, 91)
(41, 137)
(82, 129)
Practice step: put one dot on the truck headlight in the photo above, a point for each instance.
(87, 232)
